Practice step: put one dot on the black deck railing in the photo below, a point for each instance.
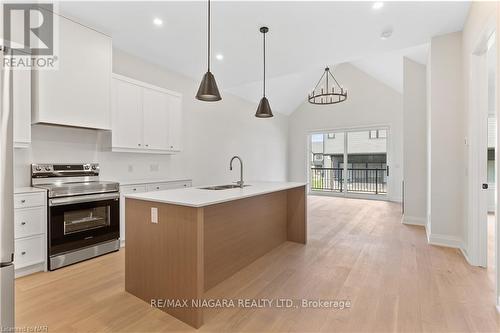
(357, 180)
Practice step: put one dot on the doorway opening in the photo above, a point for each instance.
(349, 162)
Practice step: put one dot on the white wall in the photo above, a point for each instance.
(481, 18)
(212, 133)
(370, 103)
(447, 147)
(414, 142)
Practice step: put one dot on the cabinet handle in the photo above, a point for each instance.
(23, 223)
(134, 189)
(23, 253)
(139, 144)
(147, 145)
(157, 187)
(23, 201)
(171, 146)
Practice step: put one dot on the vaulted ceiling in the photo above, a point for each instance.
(304, 37)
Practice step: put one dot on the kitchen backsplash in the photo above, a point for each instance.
(54, 144)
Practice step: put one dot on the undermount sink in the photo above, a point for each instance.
(221, 187)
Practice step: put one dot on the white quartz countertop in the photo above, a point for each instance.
(28, 189)
(152, 181)
(198, 197)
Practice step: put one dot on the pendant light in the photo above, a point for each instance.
(327, 93)
(208, 91)
(264, 110)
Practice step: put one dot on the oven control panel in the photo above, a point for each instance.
(64, 170)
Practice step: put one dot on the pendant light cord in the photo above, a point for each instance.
(264, 86)
(209, 35)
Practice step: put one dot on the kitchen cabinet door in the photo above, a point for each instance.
(127, 115)
(156, 109)
(126, 190)
(21, 80)
(77, 93)
(175, 123)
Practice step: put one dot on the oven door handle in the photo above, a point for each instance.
(83, 198)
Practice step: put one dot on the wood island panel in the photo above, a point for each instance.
(240, 231)
(165, 260)
(297, 215)
(190, 250)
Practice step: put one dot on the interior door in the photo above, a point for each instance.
(127, 115)
(156, 109)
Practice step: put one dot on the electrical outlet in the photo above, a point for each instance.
(154, 215)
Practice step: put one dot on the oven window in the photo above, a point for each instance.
(86, 219)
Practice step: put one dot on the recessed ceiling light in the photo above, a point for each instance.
(158, 22)
(219, 56)
(387, 33)
(377, 5)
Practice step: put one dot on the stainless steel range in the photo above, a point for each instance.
(83, 212)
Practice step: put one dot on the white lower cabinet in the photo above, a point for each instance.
(28, 251)
(30, 232)
(141, 188)
(167, 186)
(29, 221)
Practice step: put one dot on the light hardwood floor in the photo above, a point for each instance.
(357, 250)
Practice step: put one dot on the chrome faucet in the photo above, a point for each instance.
(240, 182)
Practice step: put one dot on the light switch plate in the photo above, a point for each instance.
(154, 215)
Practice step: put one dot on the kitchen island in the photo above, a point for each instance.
(182, 242)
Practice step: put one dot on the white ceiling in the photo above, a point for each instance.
(303, 38)
(388, 67)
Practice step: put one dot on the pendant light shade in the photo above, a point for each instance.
(208, 90)
(264, 109)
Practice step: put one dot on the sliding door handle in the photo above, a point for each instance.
(485, 186)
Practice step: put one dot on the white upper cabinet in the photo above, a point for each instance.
(127, 120)
(78, 92)
(175, 124)
(156, 119)
(145, 118)
(21, 104)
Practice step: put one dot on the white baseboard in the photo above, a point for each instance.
(20, 272)
(466, 256)
(412, 220)
(122, 242)
(444, 240)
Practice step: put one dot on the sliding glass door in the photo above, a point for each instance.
(367, 161)
(327, 162)
(349, 162)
